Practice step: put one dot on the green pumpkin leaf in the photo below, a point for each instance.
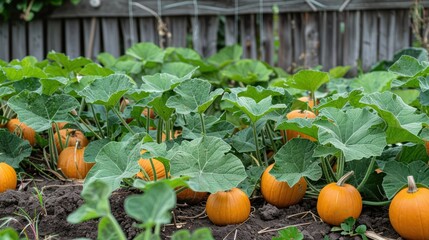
(295, 160)
(403, 123)
(40, 111)
(51, 85)
(9, 233)
(355, 132)
(6, 91)
(193, 95)
(16, 73)
(208, 164)
(249, 184)
(290, 233)
(247, 71)
(146, 52)
(309, 80)
(215, 126)
(93, 69)
(203, 233)
(258, 93)
(13, 149)
(302, 125)
(109, 229)
(108, 90)
(154, 206)
(226, 56)
(407, 66)
(397, 173)
(93, 148)
(374, 81)
(178, 69)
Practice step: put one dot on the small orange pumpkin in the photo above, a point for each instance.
(298, 114)
(409, 212)
(151, 113)
(191, 197)
(72, 164)
(308, 100)
(279, 193)
(60, 125)
(72, 136)
(8, 178)
(22, 130)
(229, 207)
(339, 201)
(147, 167)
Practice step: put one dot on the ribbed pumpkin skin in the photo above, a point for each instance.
(74, 135)
(191, 197)
(409, 214)
(70, 168)
(8, 178)
(427, 147)
(159, 169)
(230, 207)
(279, 193)
(27, 132)
(298, 114)
(337, 203)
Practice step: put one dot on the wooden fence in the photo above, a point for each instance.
(307, 34)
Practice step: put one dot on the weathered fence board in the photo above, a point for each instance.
(111, 40)
(92, 38)
(19, 40)
(4, 41)
(36, 39)
(73, 36)
(54, 37)
(178, 28)
(148, 30)
(285, 38)
(248, 36)
(369, 39)
(351, 42)
(129, 32)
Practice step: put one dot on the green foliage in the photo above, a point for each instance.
(290, 233)
(347, 228)
(13, 149)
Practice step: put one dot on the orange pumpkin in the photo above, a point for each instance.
(298, 114)
(177, 133)
(229, 207)
(8, 178)
(409, 212)
(151, 113)
(22, 130)
(72, 164)
(427, 147)
(279, 193)
(60, 125)
(147, 167)
(69, 137)
(339, 201)
(308, 100)
(191, 197)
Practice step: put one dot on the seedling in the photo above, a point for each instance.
(347, 228)
(290, 233)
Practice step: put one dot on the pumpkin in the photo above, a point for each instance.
(60, 125)
(72, 164)
(177, 133)
(8, 178)
(229, 207)
(22, 130)
(69, 137)
(427, 147)
(298, 114)
(190, 196)
(147, 167)
(151, 113)
(339, 201)
(308, 100)
(279, 193)
(409, 212)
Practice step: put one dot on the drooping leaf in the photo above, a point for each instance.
(147, 52)
(403, 123)
(309, 80)
(407, 66)
(179, 69)
(340, 100)
(154, 206)
(40, 111)
(374, 81)
(108, 90)
(396, 176)
(13, 149)
(295, 160)
(215, 126)
(159, 104)
(193, 95)
(226, 56)
(258, 93)
(51, 85)
(247, 71)
(339, 71)
(93, 148)
(208, 164)
(355, 132)
(249, 184)
(302, 125)
(243, 141)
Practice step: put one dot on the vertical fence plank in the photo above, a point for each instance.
(204, 36)
(248, 36)
(96, 44)
(231, 30)
(285, 38)
(267, 40)
(178, 27)
(110, 36)
(383, 35)
(328, 25)
(129, 35)
(369, 39)
(298, 40)
(55, 35)
(311, 39)
(36, 39)
(351, 43)
(392, 32)
(148, 30)
(4, 41)
(402, 36)
(72, 34)
(19, 39)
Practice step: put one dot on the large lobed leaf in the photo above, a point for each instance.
(13, 149)
(310, 80)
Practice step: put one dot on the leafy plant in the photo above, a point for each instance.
(290, 233)
(347, 228)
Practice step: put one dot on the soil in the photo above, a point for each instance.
(62, 198)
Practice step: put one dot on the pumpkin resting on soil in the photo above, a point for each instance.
(20, 129)
(279, 193)
(72, 163)
(339, 201)
(409, 212)
(8, 178)
(191, 197)
(229, 207)
(73, 136)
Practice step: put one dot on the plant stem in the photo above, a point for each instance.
(368, 172)
(325, 171)
(167, 130)
(203, 125)
(311, 186)
(157, 229)
(255, 137)
(313, 97)
(117, 227)
(96, 121)
(148, 120)
(340, 165)
(82, 106)
(159, 130)
(371, 203)
(123, 121)
(52, 149)
(90, 128)
(153, 169)
(270, 136)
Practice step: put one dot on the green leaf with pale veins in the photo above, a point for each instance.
(208, 164)
(226, 56)
(374, 81)
(154, 206)
(258, 93)
(160, 82)
(179, 69)
(108, 90)
(302, 125)
(247, 71)
(355, 132)
(13, 149)
(193, 95)
(396, 176)
(295, 160)
(146, 52)
(407, 66)
(310, 80)
(403, 123)
(40, 111)
(51, 85)
(215, 126)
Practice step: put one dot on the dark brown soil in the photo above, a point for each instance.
(60, 199)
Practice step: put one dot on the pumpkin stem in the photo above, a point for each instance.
(344, 178)
(412, 187)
